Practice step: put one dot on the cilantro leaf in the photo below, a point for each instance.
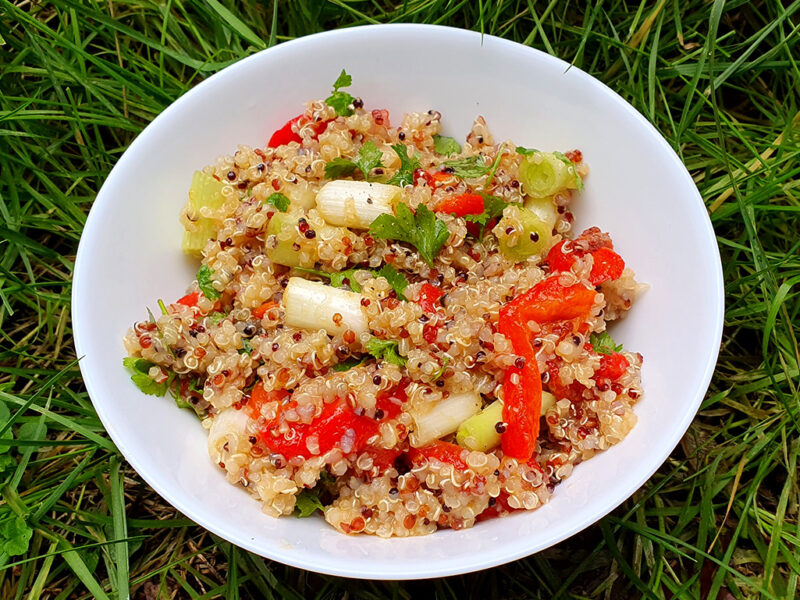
(422, 230)
(247, 347)
(468, 168)
(526, 151)
(405, 174)
(339, 167)
(492, 208)
(139, 368)
(338, 100)
(216, 317)
(445, 145)
(338, 279)
(204, 282)
(348, 364)
(603, 343)
(309, 501)
(385, 350)
(279, 201)
(395, 278)
(369, 157)
(15, 536)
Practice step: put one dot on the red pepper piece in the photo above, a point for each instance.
(285, 134)
(260, 311)
(259, 397)
(430, 333)
(548, 301)
(442, 451)
(189, 299)
(462, 205)
(608, 266)
(429, 296)
(522, 386)
(612, 366)
(501, 506)
(391, 401)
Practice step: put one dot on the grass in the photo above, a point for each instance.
(720, 80)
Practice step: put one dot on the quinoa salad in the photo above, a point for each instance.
(393, 328)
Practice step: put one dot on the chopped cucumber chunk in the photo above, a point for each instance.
(545, 173)
(522, 234)
(283, 226)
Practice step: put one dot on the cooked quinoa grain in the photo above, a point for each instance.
(348, 349)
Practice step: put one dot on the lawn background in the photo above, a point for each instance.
(79, 79)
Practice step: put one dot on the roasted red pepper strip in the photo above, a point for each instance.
(522, 386)
(336, 421)
(429, 296)
(607, 266)
(442, 451)
(462, 205)
(285, 134)
(189, 299)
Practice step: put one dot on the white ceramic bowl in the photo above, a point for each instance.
(638, 190)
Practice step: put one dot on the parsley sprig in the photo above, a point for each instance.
(204, 283)
(468, 168)
(405, 174)
(603, 343)
(342, 279)
(422, 230)
(341, 101)
(445, 145)
(387, 350)
(492, 208)
(139, 369)
(369, 158)
(279, 201)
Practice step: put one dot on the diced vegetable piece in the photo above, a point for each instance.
(285, 134)
(283, 227)
(313, 305)
(548, 401)
(544, 208)
(544, 174)
(356, 204)
(194, 241)
(444, 417)
(533, 238)
(479, 431)
(443, 452)
(205, 192)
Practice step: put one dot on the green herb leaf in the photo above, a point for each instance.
(492, 208)
(162, 307)
(468, 168)
(216, 317)
(348, 364)
(396, 279)
(493, 168)
(369, 157)
(15, 536)
(603, 343)
(247, 347)
(440, 372)
(338, 279)
(386, 350)
(139, 368)
(422, 230)
(405, 174)
(279, 201)
(526, 151)
(204, 282)
(445, 145)
(339, 167)
(338, 100)
(309, 501)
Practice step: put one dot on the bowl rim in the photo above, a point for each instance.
(345, 568)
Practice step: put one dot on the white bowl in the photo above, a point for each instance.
(638, 190)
